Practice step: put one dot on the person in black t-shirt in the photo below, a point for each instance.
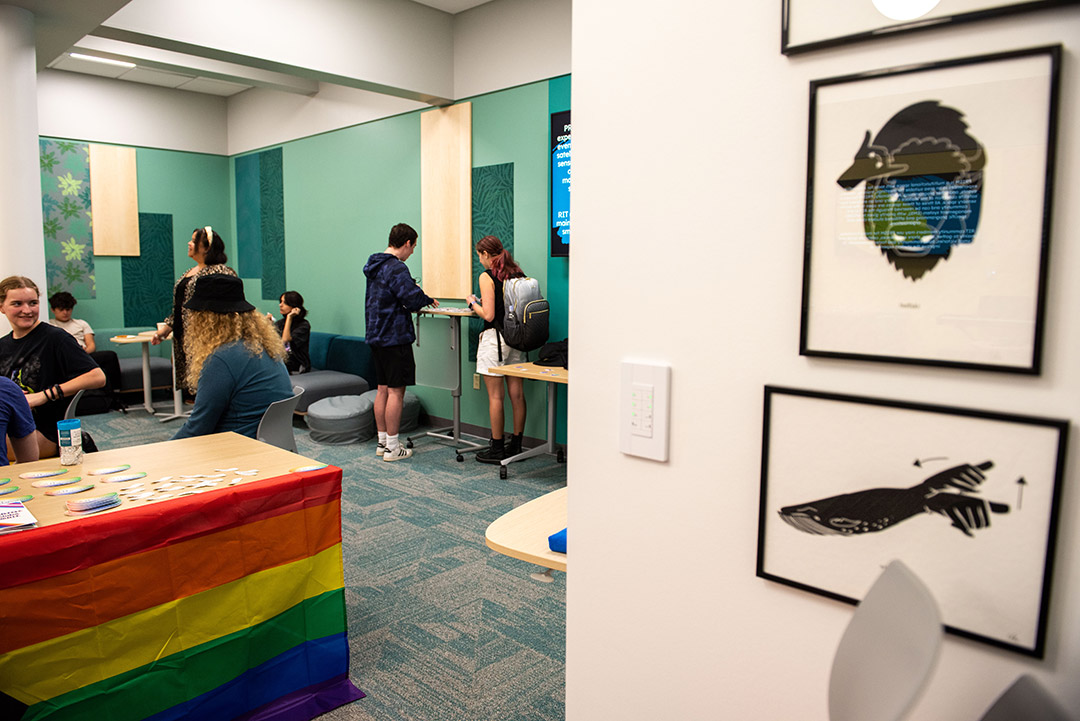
(44, 361)
(295, 331)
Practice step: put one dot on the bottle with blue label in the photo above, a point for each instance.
(70, 439)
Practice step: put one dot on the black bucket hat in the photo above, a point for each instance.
(219, 293)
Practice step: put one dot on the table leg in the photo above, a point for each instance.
(178, 398)
(548, 446)
(148, 398)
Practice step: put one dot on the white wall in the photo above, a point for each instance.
(690, 140)
(259, 118)
(498, 45)
(395, 43)
(510, 42)
(102, 110)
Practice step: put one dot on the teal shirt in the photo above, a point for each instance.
(235, 389)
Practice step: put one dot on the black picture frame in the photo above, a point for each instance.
(943, 260)
(842, 22)
(968, 499)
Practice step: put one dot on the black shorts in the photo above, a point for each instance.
(394, 365)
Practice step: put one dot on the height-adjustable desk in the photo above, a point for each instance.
(450, 433)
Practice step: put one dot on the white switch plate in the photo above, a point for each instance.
(644, 409)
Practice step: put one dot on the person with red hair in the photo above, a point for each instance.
(492, 349)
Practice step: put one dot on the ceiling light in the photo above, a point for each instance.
(106, 61)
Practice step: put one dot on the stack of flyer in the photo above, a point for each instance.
(15, 517)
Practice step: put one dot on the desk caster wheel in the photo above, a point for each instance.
(460, 458)
(408, 444)
(503, 473)
(560, 457)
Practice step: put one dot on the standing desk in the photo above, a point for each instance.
(220, 605)
(456, 436)
(148, 403)
(523, 532)
(177, 395)
(178, 402)
(551, 375)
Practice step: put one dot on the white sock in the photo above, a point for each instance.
(391, 442)
(382, 438)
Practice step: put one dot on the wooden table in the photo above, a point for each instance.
(455, 435)
(551, 375)
(206, 606)
(523, 532)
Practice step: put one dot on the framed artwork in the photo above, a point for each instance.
(815, 24)
(928, 212)
(967, 499)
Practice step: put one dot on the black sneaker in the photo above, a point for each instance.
(494, 453)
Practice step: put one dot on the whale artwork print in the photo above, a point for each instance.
(877, 509)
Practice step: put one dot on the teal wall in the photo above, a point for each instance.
(343, 190)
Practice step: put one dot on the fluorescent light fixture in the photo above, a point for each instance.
(904, 9)
(106, 61)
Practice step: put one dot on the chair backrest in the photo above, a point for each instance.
(275, 427)
(73, 407)
(888, 650)
(1025, 700)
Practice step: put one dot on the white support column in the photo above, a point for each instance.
(22, 246)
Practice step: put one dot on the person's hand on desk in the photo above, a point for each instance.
(160, 335)
(434, 303)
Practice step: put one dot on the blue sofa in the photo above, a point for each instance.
(341, 366)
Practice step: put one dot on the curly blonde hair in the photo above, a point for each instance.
(209, 331)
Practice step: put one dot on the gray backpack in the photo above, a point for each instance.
(524, 323)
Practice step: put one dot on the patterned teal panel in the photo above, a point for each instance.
(248, 217)
(272, 210)
(146, 276)
(65, 206)
(492, 214)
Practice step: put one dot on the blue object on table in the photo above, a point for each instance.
(557, 541)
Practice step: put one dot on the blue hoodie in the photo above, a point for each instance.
(392, 295)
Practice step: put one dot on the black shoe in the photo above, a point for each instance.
(495, 452)
(88, 444)
(514, 446)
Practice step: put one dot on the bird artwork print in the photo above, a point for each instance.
(923, 175)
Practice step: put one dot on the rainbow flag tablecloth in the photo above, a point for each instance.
(224, 605)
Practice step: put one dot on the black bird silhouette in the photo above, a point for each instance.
(924, 179)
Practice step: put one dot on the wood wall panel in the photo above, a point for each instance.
(114, 200)
(446, 200)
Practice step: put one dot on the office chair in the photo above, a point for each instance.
(888, 650)
(72, 408)
(275, 427)
(1025, 700)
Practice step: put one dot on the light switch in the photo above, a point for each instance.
(644, 412)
